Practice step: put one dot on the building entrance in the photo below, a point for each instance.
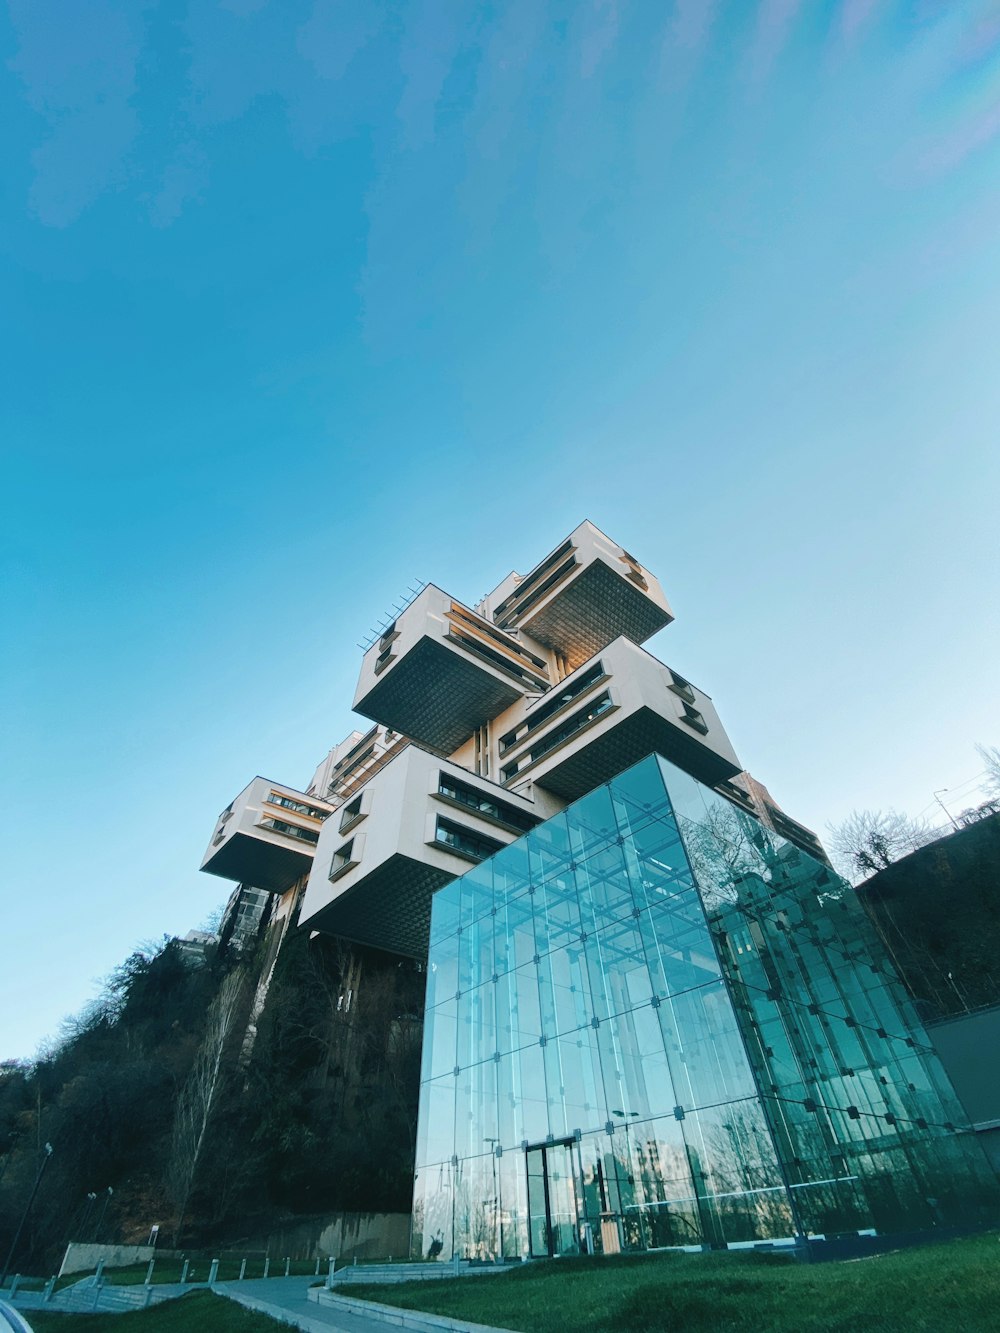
(553, 1208)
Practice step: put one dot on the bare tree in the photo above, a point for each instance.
(869, 840)
(200, 1094)
(990, 755)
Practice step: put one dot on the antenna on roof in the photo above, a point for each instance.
(412, 592)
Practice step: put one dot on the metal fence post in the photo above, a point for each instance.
(331, 1269)
(149, 1272)
(50, 1287)
(267, 1264)
(184, 1271)
(243, 1268)
(288, 1265)
(213, 1272)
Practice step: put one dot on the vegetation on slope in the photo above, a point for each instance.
(159, 1108)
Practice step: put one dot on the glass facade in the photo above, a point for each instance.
(653, 1022)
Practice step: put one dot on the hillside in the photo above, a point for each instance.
(162, 1104)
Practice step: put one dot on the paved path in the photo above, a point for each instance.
(286, 1297)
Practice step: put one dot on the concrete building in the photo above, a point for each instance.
(649, 1020)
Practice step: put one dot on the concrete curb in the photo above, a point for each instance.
(417, 1320)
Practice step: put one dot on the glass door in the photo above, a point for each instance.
(553, 1215)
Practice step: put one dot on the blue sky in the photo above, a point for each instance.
(305, 300)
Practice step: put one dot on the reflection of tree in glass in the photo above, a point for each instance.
(744, 1178)
(436, 1207)
(724, 846)
(475, 1226)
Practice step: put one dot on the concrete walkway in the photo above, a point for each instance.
(287, 1299)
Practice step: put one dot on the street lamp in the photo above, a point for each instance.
(104, 1209)
(24, 1215)
(91, 1201)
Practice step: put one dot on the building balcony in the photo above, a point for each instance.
(417, 824)
(608, 715)
(267, 836)
(584, 595)
(440, 671)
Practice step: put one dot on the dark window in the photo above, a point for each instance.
(299, 807)
(558, 734)
(695, 720)
(484, 804)
(681, 686)
(465, 841)
(342, 858)
(291, 830)
(557, 699)
(350, 813)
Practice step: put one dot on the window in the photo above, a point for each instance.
(290, 830)
(681, 686)
(554, 701)
(558, 734)
(634, 570)
(527, 590)
(352, 813)
(383, 660)
(482, 638)
(299, 807)
(484, 804)
(350, 763)
(475, 846)
(344, 858)
(694, 720)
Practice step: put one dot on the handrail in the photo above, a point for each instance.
(13, 1319)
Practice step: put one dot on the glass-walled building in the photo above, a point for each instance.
(653, 1022)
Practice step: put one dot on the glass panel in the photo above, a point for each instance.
(538, 1212)
(563, 1225)
(695, 1004)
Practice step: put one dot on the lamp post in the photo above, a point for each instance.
(24, 1215)
(104, 1209)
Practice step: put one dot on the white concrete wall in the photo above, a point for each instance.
(252, 805)
(81, 1257)
(636, 680)
(400, 801)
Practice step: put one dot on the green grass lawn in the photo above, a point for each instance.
(948, 1288)
(200, 1311)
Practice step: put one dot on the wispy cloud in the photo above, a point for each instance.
(434, 37)
(334, 34)
(947, 151)
(775, 20)
(855, 16)
(184, 178)
(77, 65)
(685, 41)
(599, 36)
